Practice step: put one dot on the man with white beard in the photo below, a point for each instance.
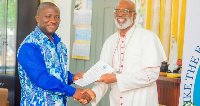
(136, 55)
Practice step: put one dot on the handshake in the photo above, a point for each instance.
(84, 96)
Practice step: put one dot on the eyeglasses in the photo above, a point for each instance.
(124, 12)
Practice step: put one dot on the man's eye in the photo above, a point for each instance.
(57, 17)
(117, 11)
(47, 16)
(125, 11)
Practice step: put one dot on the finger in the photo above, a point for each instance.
(81, 100)
(85, 90)
(75, 78)
(81, 75)
(87, 97)
(102, 77)
(91, 93)
(74, 99)
(84, 102)
(100, 80)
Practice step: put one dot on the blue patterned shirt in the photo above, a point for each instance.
(44, 77)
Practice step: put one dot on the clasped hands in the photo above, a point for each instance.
(86, 95)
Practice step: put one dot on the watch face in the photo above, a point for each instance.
(189, 104)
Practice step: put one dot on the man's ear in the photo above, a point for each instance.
(37, 18)
(134, 16)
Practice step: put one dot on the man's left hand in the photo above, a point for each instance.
(78, 76)
(108, 78)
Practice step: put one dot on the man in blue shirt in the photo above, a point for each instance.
(44, 77)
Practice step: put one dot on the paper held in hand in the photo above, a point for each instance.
(94, 73)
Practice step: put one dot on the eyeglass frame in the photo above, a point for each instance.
(128, 11)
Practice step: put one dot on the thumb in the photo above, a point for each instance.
(100, 80)
(85, 90)
(81, 75)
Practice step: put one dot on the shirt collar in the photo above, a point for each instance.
(56, 38)
(45, 38)
(130, 31)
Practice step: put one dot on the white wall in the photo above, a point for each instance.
(64, 28)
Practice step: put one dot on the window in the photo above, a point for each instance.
(8, 23)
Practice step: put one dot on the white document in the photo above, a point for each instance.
(94, 73)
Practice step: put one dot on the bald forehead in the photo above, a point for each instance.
(125, 4)
(45, 5)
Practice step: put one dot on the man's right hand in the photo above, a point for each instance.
(82, 97)
(90, 92)
(87, 92)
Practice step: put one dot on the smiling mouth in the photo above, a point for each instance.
(52, 26)
(121, 20)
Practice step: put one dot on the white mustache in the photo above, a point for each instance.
(124, 25)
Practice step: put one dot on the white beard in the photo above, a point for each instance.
(125, 25)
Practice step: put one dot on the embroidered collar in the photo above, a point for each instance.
(45, 38)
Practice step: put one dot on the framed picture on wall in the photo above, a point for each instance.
(46, 1)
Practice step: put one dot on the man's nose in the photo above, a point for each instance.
(53, 20)
(120, 14)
